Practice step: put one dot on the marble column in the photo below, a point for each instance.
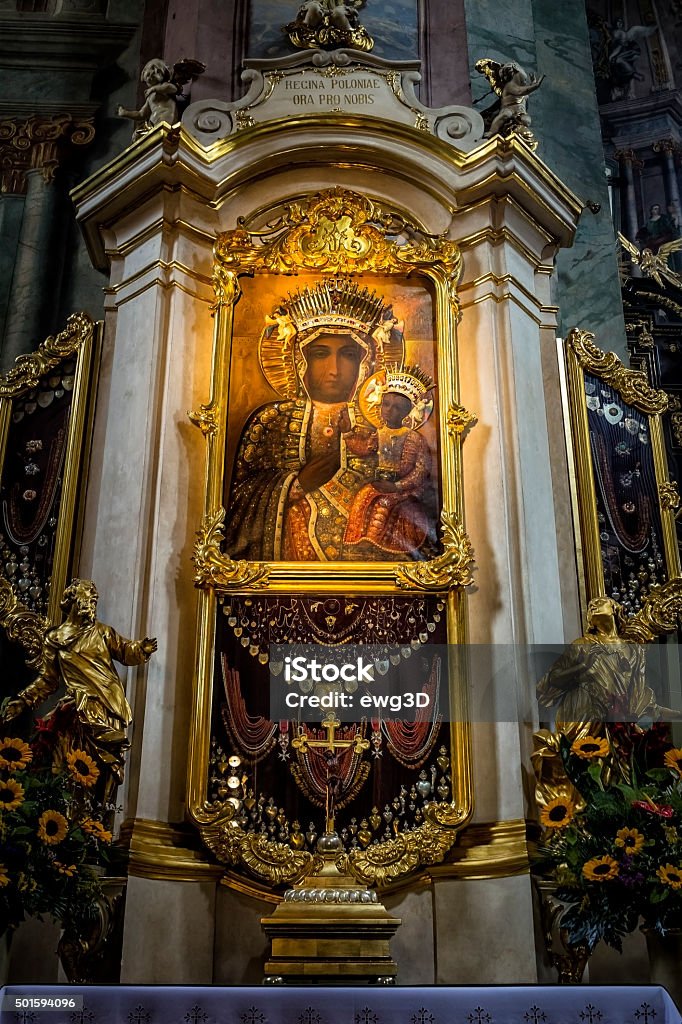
(668, 148)
(628, 163)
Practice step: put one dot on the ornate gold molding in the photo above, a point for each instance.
(162, 851)
(276, 863)
(22, 626)
(335, 232)
(213, 569)
(661, 613)
(459, 420)
(206, 419)
(632, 385)
(38, 142)
(450, 570)
(28, 369)
(669, 495)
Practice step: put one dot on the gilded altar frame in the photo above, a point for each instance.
(581, 356)
(305, 237)
(81, 339)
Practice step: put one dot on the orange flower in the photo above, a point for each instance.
(631, 839)
(65, 869)
(15, 754)
(11, 795)
(96, 828)
(557, 813)
(83, 768)
(670, 875)
(589, 747)
(52, 827)
(4, 877)
(673, 759)
(600, 869)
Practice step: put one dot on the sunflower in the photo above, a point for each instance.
(600, 869)
(14, 753)
(4, 877)
(83, 768)
(96, 828)
(52, 827)
(557, 813)
(673, 759)
(631, 839)
(65, 869)
(11, 795)
(589, 747)
(670, 875)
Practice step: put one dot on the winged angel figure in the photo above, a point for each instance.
(654, 265)
(329, 23)
(624, 53)
(513, 85)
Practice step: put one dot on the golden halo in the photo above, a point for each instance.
(369, 400)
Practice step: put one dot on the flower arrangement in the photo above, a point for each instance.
(51, 826)
(615, 849)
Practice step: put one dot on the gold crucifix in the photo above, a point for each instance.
(330, 744)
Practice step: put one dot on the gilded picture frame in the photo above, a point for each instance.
(608, 486)
(335, 233)
(74, 353)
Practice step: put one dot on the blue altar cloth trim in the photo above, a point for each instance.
(317, 1004)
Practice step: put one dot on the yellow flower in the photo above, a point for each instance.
(670, 875)
(65, 869)
(631, 839)
(83, 768)
(11, 795)
(52, 827)
(96, 828)
(4, 877)
(600, 869)
(557, 813)
(15, 754)
(673, 759)
(589, 747)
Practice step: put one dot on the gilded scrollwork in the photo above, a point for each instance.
(214, 569)
(338, 232)
(669, 495)
(277, 863)
(661, 613)
(21, 626)
(28, 369)
(632, 385)
(385, 862)
(206, 419)
(451, 569)
(225, 285)
(459, 420)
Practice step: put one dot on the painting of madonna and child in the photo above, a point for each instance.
(332, 448)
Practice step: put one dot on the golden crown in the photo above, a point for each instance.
(336, 302)
(409, 381)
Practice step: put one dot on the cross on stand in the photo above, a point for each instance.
(330, 745)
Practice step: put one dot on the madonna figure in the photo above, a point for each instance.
(302, 461)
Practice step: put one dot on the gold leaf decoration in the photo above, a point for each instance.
(661, 613)
(459, 420)
(214, 569)
(449, 570)
(28, 369)
(384, 863)
(669, 496)
(632, 385)
(206, 419)
(22, 626)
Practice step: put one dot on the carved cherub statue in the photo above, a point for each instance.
(163, 96)
(78, 657)
(513, 85)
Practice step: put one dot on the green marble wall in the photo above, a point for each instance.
(392, 25)
(552, 39)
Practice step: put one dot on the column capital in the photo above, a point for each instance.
(628, 156)
(666, 146)
(38, 143)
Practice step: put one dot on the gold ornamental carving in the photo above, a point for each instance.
(206, 419)
(633, 385)
(214, 569)
(274, 862)
(336, 232)
(20, 625)
(329, 24)
(28, 369)
(451, 569)
(459, 420)
(37, 143)
(669, 495)
(661, 613)
(386, 862)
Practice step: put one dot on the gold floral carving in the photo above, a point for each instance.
(384, 863)
(225, 285)
(277, 863)
(661, 613)
(459, 420)
(206, 419)
(22, 626)
(669, 495)
(449, 570)
(632, 385)
(214, 569)
(28, 369)
(337, 232)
